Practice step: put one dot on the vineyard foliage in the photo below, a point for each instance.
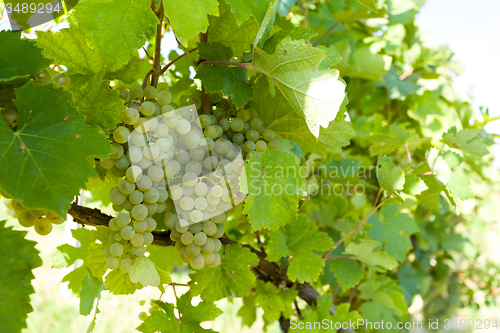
(368, 181)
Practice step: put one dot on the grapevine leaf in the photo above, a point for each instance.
(244, 9)
(233, 275)
(70, 253)
(370, 4)
(332, 57)
(295, 33)
(96, 261)
(117, 28)
(299, 241)
(364, 253)
(96, 101)
(229, 80)
(452, 159)
(413, 185)
(387, 229)
(398, 89)
(467, 140)
(90, 291)
(248, 311)
(75, 279)
(226, 30)
(128, 72)
(316, 95)
(164, 257)
(180, 12)
(19, 57)
(119, 283)
(163, 320)
(347, 271)
(459, 185)
(144, 272)
(164, 279)
(266, 25)
(69, 47)
(19, 257)
(273, 183)
(438, 166)
(274, 301)
(390, 178)
(214, 51)
(50, 150)
(192, 316)
(398, 139)
(277, 114)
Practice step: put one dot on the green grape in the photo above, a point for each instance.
(274, 144)
(200, 238)
(139, 251)
(142, 126)
(193, 250)
(197, 262)
(145, 183)
(192, 140)
(127, 205)
(216, 261)
(238, 138)
(187, 203)
(218, 112)
(268, 135)
(43, 226)
(222, 146)
(151, 196)
(211, 132)
(126, 187)
(11, 117)
(17, 205)
(246, 128)
(237, 124)
(224, 123)
(127, 232)
(200, 203)
(216, 191)
(126, 265)
(136, 93)
(209, 257)
(183, 127)
(61, 80)
(116, 249)
(151, 224)
(204, 120)
(201, 189)
(26, 219)
(162, 86)
(171, 220)
(196, 216)
(187, 238)
(213, 120)
(256, 124)
(124, 94)
(148, 238)
(249, 146)
(122, 163)
(219, 232)
(182, 226)
(220, 132)
(244, 115)
(112, 263)
(253, 113)
(134, 173)
(252, 135)
(43, 76)
(140, 226)
(121, 134)
(150, 92)
(207, 144)
(194, 167)
(164, 97)
(208, 246)
(151, 208)
(217, 245)
(117, 197)
(196, 153)
(139, 212)
(167, 111)
(117, 237)
(148, 108)
(260, 146)
(122, 219)
(209, 228)
(118, 151)
(155, 173)
(137, 240)
(220, 218)
(143, 315)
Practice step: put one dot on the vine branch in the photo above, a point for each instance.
(157, 56)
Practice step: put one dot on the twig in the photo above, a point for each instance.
(299, 314)
(408, 152)
(164, 69)
(428, 173)
(229, 63)
(259, 242)
(147, 54)
(335, 293)
(339, 257)
(157, 56)
(326, 33)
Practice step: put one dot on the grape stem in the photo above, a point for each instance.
(270, 270)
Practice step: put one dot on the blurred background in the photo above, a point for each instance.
(468, 27)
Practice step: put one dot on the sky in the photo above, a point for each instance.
(470, 28)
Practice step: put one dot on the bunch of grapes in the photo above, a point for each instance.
(41, 220)
(199, 160)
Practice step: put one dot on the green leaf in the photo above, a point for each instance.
(390, 178)
(19, 57)
(144, 272)
(128, 72)
(274, 301)
(116, 28)
(388, 228)
(370, 4)
(248, 311)
(347, 271)
(266, 25)
(225, 29)
(69, 47)
(164, 279)
(459, 185)
(413, 185)
(296, 33)
(397, 88)
(273, 182)
(299, 241)
(75, 279)
(438, 166)
(164, 257)
(316, 95)
(90, 291)
(189, 17)
(214, 51)
(278, 115)
(244, 9)
(165, 321)
(50, 150)
(233, 275)
(119, 283)
(19, 257)
(96, 101)
(467, 140)
(96, 260)
(70, 253)
(452, 159)
(364, 253)
(228, 80)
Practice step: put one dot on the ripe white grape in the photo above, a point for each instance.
(176, 192)
(126, 187)
(219, 217)
(196, 216)
(183, 157)
(107, 163)
(170, 220)
(221, 146)
(151, 224)
(187, 203)
(139, 212)
(122, 163)
(216, 261)
(133, 173)
(211, 208)
(126, 265)
(135, 154)
(112, 263)
(193, 250)
(209, 228)
(148, 238)
(187, 238)
(137, 240)
(127, 232)
(212, 201)
(182, 226)
(189, 179)
(139, 140)
(151, 208)
(170, 170)
(122, 219)
(183, 127)
(187, 191)
(140, 226)
(219, 232)
(195, 228)
(200, 203)
(201, 189)
(117, 197)
(145, 183)
(130, 116)
(194, 167)
(197, 153)
(118, 151)
(164, 144)
(142, 126)
(197, 262)
(144, 164)
(164, 97)
(150, 92)
(151, 151)
(26, 219)
(139, 251)
(217, 245)
(216, 191)
(121, 134)
(207, 144)
(210, 163)
(155, 173)
(151, 196)
(192, 140)
(136, 197)
(200, 239)
(116, 249)
(148, 108)
(209, 257)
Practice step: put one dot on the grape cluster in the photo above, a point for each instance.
(198, 158)
(41, 220)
